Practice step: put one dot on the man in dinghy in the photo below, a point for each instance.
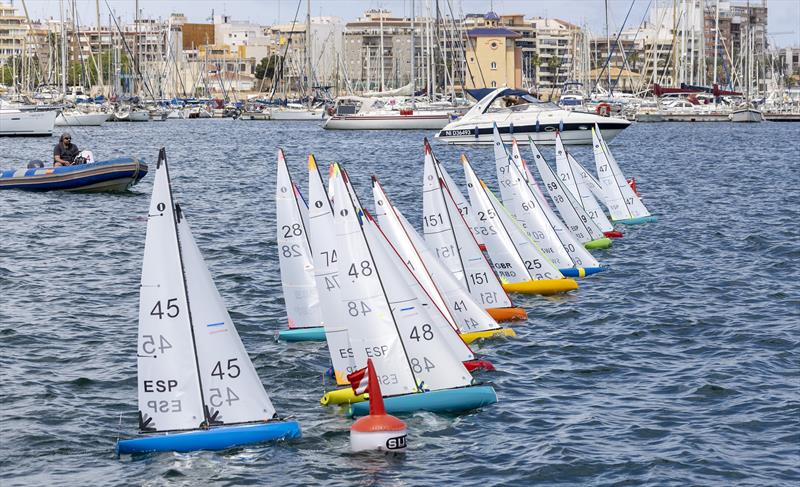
(65, 152)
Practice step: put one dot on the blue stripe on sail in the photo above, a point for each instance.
(406, 309)
(217, 324)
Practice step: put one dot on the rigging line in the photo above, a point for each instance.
(635, 36)
(285, 51)
(128, 49)
(611, 51)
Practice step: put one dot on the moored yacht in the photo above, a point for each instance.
(520, 115)
(359, 113)
(24, 120)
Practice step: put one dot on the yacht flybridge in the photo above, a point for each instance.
(520, 115)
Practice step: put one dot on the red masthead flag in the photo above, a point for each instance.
(366, 380)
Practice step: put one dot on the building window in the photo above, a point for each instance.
(494, 84)
(493, 65)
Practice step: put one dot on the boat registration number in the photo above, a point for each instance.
(455, 133)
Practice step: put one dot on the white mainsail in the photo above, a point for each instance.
(169, 384)
(622, 202)
(577, 252)
(578, 222)
(514, 256)
(322, 237)
(232, 389)
(372, 330)
(450, 239)
(294, 253)
(422, 327)
(193, 369)
(521, 203)
(464, 314)
(569, 175)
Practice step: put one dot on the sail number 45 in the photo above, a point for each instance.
(171, 309)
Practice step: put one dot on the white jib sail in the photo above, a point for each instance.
(622, 201)
(371, 326)
(294, 253)
(464, 313)
(508, 263)
(232, 390)
(577, 252)
(169, 385)
(322, 237)
(461, 202)
(573, 213)
(520, 201)
(419, 276)
(592, 184)
(430, 357)
(576, 185)
(450, 239)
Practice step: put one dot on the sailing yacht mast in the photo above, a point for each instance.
(716, 38)
(308, 52)
(63, 50)
(413, 57)
(383, 80)
(99, 44)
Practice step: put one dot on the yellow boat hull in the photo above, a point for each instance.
(500, 332)
(545, 287)
(342, 396)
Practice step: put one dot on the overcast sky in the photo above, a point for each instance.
(784, 15)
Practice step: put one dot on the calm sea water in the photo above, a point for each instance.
(678, 366)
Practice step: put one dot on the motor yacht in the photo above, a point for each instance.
(520, 115)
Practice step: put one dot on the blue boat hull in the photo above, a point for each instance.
(444, 401)
(219, 438)
(635, 221)
(315, 334)
(113, 175)
(581, 271)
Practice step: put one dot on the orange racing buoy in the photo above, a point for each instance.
(378, 431)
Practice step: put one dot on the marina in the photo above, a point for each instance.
(681, 341)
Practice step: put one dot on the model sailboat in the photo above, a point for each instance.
(520, 201)
(569, 173)
(576, 218)
(198, 389)
(454, 302)
(449, 237)
(518, 262)
(322, 237)
(622, 202)
(294, 255)
(390, 321)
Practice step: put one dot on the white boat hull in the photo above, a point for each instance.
(388, 122)
(16, 122)
(747, 115)
(81, 119)
(297, 115)
(546, 135)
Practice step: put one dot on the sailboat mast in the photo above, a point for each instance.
(308, 51)
(63, 50)
(99, 44)
(608, 48)
(413, 56)
(716, 38)
(383, 80)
